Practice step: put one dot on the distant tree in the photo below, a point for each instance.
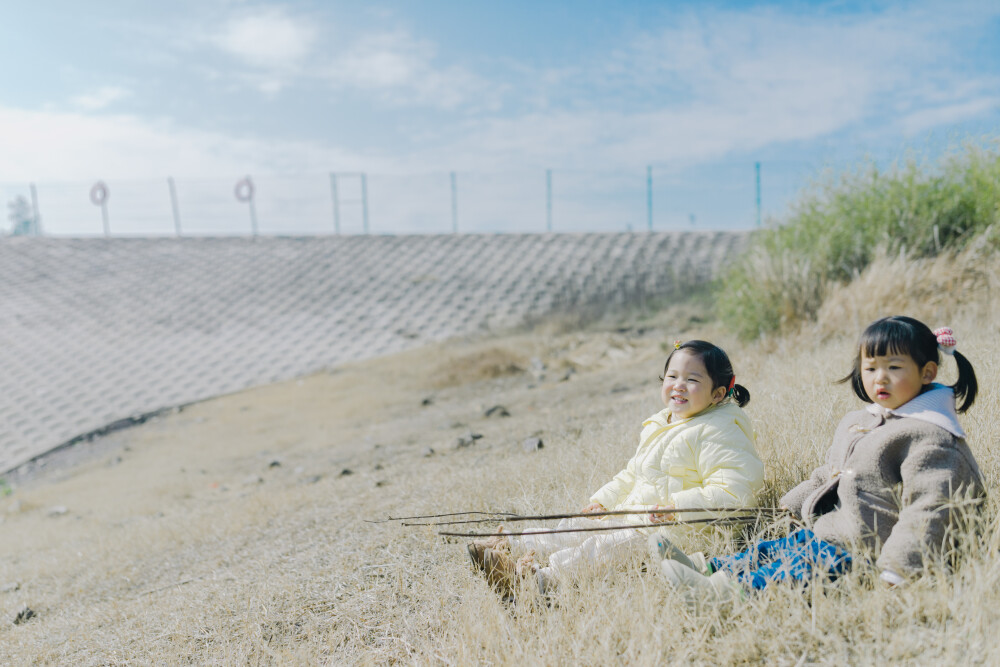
(21, 216)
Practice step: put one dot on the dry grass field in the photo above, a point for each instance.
(234, 532)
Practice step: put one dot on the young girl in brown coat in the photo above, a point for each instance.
(890, 479)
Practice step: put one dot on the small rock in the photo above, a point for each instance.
(23, 615)
(250, 480)
(115, 460)
(428, 400)
(427, 452)
(58, 510)
(275, 463)
(568, 374)
(10, 588)
(497, 411)
(378, 466)
(345, 472)
(619, 388)
(381, 482)
(467, 439)
(537, 366)
(532, 444)
(312, 479)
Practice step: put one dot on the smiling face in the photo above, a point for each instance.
(687, 387)
(893, 379)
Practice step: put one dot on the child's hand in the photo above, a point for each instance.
(657, 517)
(593, 507)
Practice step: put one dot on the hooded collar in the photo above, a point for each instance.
(662, 418)
(935, 406)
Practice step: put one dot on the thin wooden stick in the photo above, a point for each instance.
(437, 516)
(550, 517)
(590, 529)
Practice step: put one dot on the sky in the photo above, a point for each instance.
(574, 115)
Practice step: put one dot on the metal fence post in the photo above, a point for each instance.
(649, 197)
(36, 216)
(253, 217)
(757, 168)
(173, 205)
(244, 191)
(99, 197)
(364, 200)
(548, 200)
(336, 203)
(454, 203)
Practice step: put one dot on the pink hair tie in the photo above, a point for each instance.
(946, 340)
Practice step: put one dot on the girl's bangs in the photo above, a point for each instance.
(886, 338)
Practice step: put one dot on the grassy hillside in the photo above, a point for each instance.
(845, 221)
(234, 533)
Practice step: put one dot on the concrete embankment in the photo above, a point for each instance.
(95, 332)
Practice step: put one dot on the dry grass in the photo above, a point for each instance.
(179, 555)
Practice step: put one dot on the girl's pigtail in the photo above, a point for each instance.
(966, 387)
(740, 394)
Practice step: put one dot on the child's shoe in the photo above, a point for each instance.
(661, 548)
(546, 582)
(500, 570)
(477, 548)
(700, 563)
(477, 554)
(698, 588)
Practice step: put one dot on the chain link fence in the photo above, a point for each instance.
(730, 196)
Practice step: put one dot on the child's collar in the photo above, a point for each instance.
(665, 415)
(935, 405)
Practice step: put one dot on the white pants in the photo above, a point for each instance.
(569, 552)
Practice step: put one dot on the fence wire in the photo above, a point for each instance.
(713, 197)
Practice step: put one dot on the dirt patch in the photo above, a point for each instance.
(477, 365)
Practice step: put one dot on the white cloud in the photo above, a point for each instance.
(402, 70)
(50, 145)
(949, 114)
(268, 39)
(99, 99)
(726, 81)
(707, 85)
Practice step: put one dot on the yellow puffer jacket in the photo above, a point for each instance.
(708, 460)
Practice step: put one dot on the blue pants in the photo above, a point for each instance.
(794, 558)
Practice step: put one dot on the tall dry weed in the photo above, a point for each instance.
(934, 289)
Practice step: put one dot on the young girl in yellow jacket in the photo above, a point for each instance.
(698, 452)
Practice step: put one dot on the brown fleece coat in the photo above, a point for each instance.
(885, 486)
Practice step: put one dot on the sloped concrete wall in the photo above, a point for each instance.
(93, 331)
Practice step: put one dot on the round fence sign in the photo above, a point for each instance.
(99, 193)
(244, 189)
